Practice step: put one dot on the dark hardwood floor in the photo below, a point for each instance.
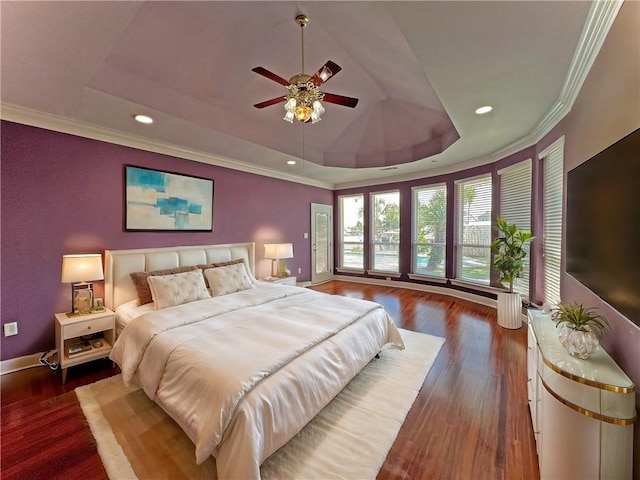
(469, 421)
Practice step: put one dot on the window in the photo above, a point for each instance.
(552, 239)
(352, 231)
(515, 208)
(385, 231)
(429, 230)
(473, 234)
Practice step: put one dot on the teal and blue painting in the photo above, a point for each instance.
(157, 200)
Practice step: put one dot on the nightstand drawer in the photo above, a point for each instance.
(88, 327)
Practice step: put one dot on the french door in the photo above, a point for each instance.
(321, 243)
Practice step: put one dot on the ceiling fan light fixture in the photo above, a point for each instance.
(303, 113)
(304, 99)
(289, 116)
(318, 110)
(290, 108)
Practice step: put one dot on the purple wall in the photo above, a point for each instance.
(63, 194)
(606, 110)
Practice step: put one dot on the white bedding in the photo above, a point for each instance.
(244, 372)
(128, 311)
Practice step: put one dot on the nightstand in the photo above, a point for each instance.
(98, 330)
(281, 281)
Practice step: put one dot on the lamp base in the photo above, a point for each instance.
(282, 270)
(82, 298)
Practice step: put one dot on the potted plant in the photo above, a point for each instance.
(509, 253)
(580, 328)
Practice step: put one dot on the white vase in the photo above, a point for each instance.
(579, 343)
(509, 310)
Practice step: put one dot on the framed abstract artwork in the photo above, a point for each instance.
(156, 200)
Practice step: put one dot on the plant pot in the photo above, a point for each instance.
(579, 343)
(509, 310)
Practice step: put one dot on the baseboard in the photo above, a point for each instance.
(20, 363)
(479, 299)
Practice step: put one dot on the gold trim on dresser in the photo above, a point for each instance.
(589, 413)
(585, 381)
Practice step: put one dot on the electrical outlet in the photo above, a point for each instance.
(299, 270)
(306, 235)
(10, 329)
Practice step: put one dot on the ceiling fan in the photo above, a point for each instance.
(304, 100)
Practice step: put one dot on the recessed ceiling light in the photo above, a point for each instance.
(291, 162)
(143, 119)
(483, 110)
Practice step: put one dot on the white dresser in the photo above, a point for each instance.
(582, 411)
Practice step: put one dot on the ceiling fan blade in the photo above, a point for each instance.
(270, 75)
(340, 100)
(268, 103)
(325, 72)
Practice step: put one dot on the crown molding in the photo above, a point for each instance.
(34, 118)
(599, 21)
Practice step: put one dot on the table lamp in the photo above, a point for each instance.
(78, 270)
(278, 252)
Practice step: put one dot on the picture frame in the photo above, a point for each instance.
(163, 201)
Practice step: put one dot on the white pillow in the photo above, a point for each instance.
(229, 279)
(176, 289)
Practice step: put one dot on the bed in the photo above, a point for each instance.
(244, 366)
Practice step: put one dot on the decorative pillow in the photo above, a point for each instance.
(229, 279)
(142, 286)
(216, 265)
(170, 290)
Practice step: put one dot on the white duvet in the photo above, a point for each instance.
(243, 373)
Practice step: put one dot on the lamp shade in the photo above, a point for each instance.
(82, 268)
(276, 251)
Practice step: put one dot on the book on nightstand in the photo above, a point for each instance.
(80, 348)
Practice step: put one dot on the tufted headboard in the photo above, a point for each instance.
(118, 286)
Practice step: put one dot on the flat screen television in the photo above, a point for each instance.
(603, 225)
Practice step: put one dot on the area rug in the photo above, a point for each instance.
(350, 438)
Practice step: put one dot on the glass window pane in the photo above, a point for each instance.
(385, 225)
(352, 231)
(474, 264)
(430, 230)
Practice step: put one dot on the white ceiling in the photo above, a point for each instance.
(88, 67)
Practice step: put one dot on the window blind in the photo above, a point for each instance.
(515, 208)
(473, 224)
(553, 202)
